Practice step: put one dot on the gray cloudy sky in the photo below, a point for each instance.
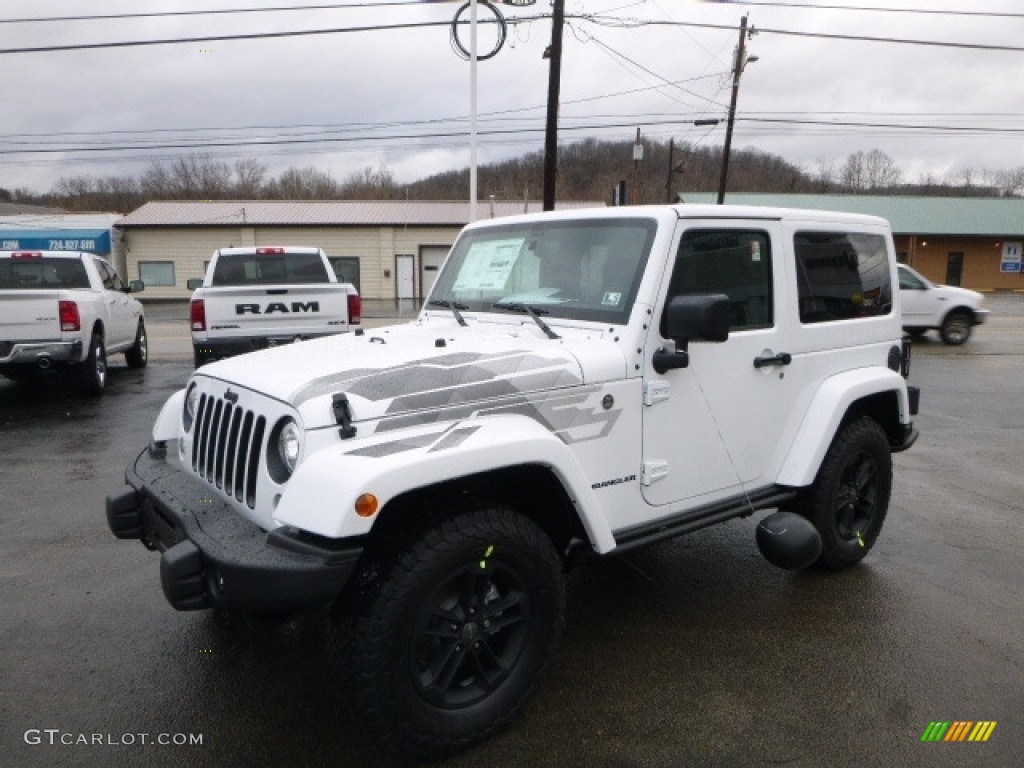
(399, 98)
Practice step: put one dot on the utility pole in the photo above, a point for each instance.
(737, 70)
(673, 169)
(554, 53)
(638, 155)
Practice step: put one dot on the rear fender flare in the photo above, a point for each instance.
(828, 407)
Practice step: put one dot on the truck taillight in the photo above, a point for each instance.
(355, 308)
(270, 250)
(197, 314)
(27, 256)
(70, 320)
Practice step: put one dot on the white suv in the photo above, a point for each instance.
(952, 311)
(579, 384)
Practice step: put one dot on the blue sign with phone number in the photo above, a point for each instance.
(93, 240)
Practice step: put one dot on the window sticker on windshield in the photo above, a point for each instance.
(488, 265)
(611, 299)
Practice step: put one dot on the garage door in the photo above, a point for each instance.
(431, 258)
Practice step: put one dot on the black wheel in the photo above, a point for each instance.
(198, 357)
(92, 373)
(138, 354)
(458, 631)
(956, 328)
(850, 495)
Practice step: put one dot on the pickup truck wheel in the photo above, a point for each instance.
(956, 328)
(850, 496)
(138, 354)
(92, 374)
(459, 631)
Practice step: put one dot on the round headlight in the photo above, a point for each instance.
(289, 445)
(191, 406)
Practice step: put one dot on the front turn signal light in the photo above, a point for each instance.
(366, 505)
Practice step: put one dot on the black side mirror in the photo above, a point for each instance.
(136, 286)
(193, 283)
(692, 318)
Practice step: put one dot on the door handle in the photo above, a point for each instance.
(783, 358)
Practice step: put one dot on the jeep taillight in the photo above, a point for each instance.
(355, 308)
(70, 320)
(197, 314)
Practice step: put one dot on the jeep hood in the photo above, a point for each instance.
(410, 368)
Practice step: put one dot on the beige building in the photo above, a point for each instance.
(389, 249)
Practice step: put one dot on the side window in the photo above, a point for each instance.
(737, 263)
(909, 281)
(842, 276)
(107, 275)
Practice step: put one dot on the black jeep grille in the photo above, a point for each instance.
(227, 446)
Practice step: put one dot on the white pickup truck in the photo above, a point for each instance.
(259, 297)
(67, 310)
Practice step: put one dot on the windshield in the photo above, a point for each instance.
(583, 269)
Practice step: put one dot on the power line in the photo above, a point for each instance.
(823, 35)
(210, 12)
(592, 18)
(875, 8)
(673, 120)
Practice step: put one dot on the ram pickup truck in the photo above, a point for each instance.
(578, 384)
(67, 311)
(254, 298)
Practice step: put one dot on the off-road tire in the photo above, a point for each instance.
(850, 496)
(956, 328)
(138, 354)
(457, 631)
(92, 373)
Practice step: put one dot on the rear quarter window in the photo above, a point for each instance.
(842, 276)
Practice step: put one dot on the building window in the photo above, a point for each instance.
(154, 273)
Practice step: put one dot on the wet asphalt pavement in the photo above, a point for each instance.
(694, 652)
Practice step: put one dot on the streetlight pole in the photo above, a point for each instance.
(737, 70)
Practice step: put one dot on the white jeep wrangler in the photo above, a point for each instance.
(579, 384)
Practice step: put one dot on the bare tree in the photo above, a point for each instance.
(248, 183)
(306, 183)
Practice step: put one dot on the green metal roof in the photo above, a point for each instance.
(971, 216)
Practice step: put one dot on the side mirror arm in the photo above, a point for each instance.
(666, 360)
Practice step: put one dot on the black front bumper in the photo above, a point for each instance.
(212, 556)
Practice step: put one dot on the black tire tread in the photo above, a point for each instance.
(373, 643)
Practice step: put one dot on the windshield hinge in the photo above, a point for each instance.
(343, 415)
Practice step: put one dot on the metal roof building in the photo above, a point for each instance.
(971, 241)
(390, 249)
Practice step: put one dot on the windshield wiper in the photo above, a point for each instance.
(516, 306)
(454, 306)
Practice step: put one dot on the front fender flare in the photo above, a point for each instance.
(320, 497)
